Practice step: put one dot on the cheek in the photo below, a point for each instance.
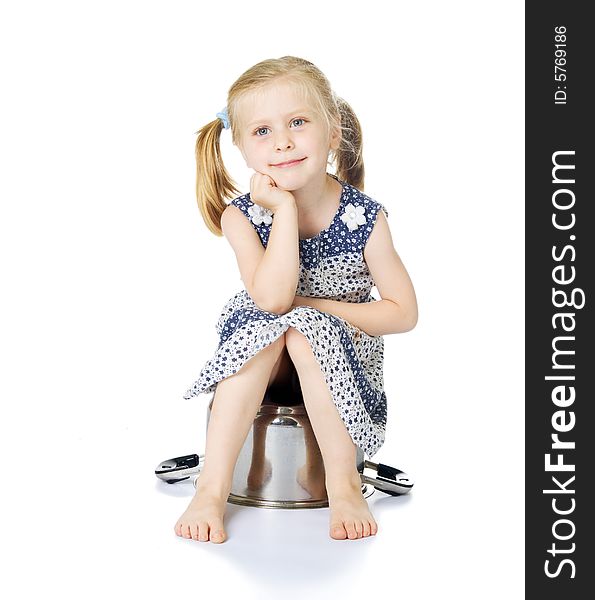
(321, 144)
(255, 158)
(261, 154)
(249, 155)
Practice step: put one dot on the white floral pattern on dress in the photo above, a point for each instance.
(354, 216)
(260, 215)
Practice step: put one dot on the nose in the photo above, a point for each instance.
(283, 141)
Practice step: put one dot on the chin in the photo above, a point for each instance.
(291, 181)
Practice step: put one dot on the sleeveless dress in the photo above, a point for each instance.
(331, 266)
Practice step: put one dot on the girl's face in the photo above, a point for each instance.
(281, 136)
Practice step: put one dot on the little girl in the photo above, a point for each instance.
(309, 247)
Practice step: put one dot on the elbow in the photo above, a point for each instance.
(277, 309)
(272, 299)
(272, 305)
(265, 301)
(265, 305)
(406, 321)
(411, 321)
(282, 306)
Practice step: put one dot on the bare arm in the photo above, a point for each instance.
(381, 317)
(270, 275)
(275, 279)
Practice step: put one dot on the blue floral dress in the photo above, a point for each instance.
(331, 266)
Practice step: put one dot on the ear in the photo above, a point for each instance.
(335, 137)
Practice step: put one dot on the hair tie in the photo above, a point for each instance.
(224, 117)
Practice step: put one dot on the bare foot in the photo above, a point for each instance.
(350, 516)
(203, 519)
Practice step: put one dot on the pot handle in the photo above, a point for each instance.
(386, 479)
(180, 468)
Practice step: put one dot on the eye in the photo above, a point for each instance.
(300, 121)
(257, 132)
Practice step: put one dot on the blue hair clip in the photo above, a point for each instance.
(224, 117)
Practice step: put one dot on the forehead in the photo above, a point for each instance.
(275, 100)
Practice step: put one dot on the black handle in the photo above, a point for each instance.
(387, 479)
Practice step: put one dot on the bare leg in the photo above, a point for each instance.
(350, 516)
(235, 405)
(260, 467)
(311, 476)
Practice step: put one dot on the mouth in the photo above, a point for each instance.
(289, 163)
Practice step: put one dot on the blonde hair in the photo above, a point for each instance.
(213, 182)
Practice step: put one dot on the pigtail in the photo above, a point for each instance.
(213, 183)
(348, 157)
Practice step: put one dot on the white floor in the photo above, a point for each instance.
(94, 522)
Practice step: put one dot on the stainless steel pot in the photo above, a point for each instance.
(280, 465)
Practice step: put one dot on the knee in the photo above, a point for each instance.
(298, 347)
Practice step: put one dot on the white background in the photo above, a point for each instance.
(111, 287)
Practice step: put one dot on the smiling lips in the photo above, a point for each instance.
(290, 163)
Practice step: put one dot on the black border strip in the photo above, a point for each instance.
(557, 253)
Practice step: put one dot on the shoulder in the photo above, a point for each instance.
(242, 213)
(363, 208)
(241, 203)
(235, 212)
(356, 197)
(374, 230)
(255, 213)
(380, 240)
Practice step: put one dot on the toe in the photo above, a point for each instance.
(338, 531)
(217, 536)
(359, 529)
(179, 528)
(366, 529)
(194, 530)
(351, 532)
(217, 531)
(203, 534)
